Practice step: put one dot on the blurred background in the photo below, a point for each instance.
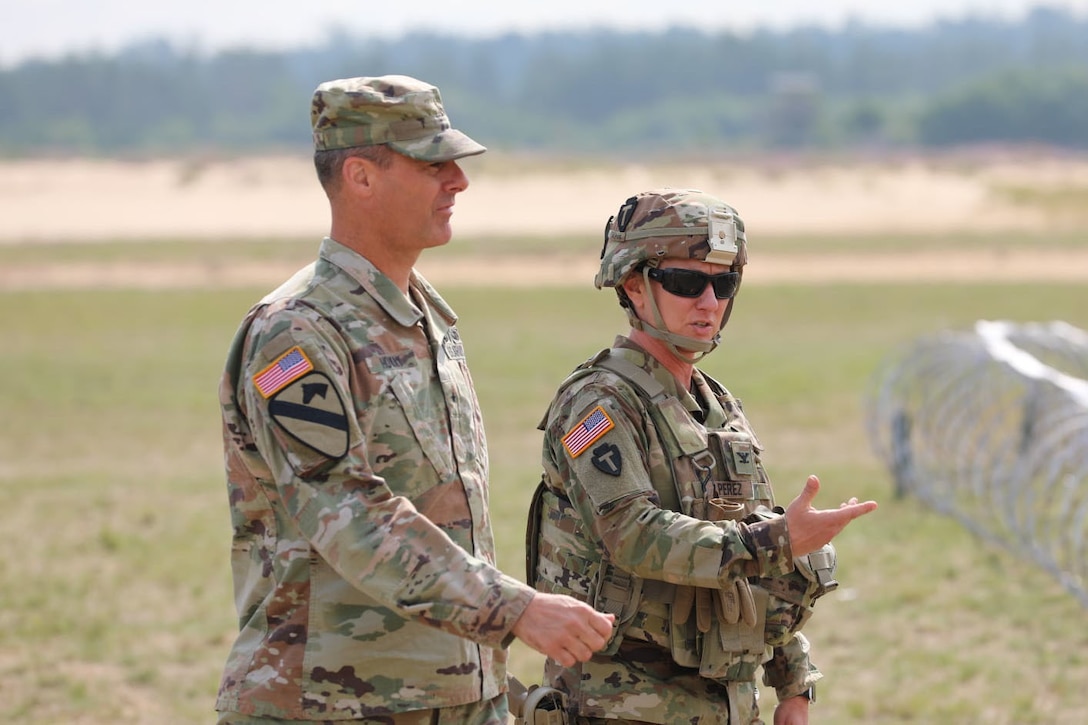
(905, 171)
(609, 78)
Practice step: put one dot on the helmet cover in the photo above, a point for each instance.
(662, 223)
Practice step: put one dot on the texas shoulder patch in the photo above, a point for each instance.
(289, 366)
(588, 430)
(311, 412)
(608, 459)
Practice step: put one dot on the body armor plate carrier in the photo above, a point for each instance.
(717, 476)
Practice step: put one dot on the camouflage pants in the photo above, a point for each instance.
(484, 712)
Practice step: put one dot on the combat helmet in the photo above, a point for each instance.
(678, 223)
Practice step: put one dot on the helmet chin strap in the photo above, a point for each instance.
(671, 339)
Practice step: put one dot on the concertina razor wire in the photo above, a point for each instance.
(990, 427)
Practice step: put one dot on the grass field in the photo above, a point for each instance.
(116, 605)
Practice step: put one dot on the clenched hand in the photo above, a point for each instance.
(563, 628)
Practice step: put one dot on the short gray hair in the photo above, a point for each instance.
(329, 164)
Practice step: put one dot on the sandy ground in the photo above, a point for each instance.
(81, 199)
(78, 200)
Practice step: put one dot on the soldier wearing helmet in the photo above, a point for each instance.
(674, 225)
(654, 504)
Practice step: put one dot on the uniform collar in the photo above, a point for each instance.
(382, 289)
(705, 405)
(638, 355)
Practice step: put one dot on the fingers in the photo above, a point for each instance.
(810, 527)
(602, 624)
(564, 658)
(593, 633)
(803, 501)
(856, 509)
(837, 519)
(580, 647)
(812, 487)
(573, 653)
(592, 627)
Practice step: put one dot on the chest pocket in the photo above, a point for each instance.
(686, 444)
(425, 409)
(738, 474)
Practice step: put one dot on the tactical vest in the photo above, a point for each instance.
(716, 475)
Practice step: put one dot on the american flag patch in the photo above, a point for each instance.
(291, 365)
(592, 427)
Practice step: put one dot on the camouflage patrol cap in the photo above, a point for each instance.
(399, 111)
(662, 223)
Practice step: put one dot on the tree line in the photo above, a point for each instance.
(974, 80)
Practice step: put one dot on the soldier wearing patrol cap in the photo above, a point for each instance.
(363, 557)
(654, 504)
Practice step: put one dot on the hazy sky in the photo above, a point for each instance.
(48, 28)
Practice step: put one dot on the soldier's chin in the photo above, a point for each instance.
(704, 335)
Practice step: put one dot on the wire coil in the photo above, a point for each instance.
(991, 427)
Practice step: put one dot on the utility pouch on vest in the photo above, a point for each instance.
(730, 487)
(736, 647)
(735, 602)
(735, 651)
(732, 644)
(819, 567)
(740, 477)
(617, 593)
(685, 641)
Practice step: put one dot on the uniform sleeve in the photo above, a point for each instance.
(604, 450)
(318, 447)
(790, 671)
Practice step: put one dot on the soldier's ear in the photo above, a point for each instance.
(635, 288)
(358, 174)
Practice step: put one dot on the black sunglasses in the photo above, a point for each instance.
(691, 283)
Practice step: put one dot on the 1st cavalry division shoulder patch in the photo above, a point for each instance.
(312, 412)
(588, 430)
(288, 367)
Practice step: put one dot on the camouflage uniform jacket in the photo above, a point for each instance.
(608, 507)
(363, 557)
